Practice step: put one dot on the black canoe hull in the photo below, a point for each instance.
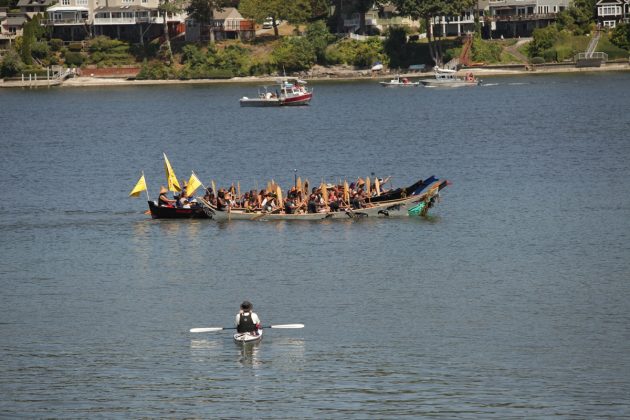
(160, 212)
(397, 194)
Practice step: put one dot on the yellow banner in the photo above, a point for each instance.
(171, 179)
(193, 184)
(141, 185)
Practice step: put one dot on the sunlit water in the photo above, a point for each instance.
(510, 300)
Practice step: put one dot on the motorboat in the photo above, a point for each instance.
(288, 92)
(399, 81)
(450, 78)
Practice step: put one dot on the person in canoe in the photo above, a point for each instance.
(247, 320)
(163, 199)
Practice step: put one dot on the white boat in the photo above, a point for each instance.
(246, 337)
(450, 78)
(399, 82)
(393, 208)
(288, 92)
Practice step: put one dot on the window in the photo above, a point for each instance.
(609, 11)
(82, 2)
(609, 24)
(65, 2)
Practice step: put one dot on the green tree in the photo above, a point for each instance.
(543, 40)
(319, 37)
(426, 10)
(202, 10)
(620, 36)
(293, 11)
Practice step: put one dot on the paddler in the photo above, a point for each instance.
(247, 320)
(163, 199)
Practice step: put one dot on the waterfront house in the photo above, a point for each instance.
(225, 24)
(128, 20)
(516, 18)
(611, 13)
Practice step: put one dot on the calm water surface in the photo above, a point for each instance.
(510, 301)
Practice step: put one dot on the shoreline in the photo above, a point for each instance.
(327, 76)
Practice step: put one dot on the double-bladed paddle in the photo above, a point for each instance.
(214, 329)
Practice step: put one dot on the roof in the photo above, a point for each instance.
(23, 3)
(601, 2)
(57, 8)
(226, 13)
(120, 9)
(16, 20)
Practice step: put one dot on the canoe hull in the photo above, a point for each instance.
(245, 338)
(160, 212)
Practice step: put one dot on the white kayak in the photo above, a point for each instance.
(248, 337)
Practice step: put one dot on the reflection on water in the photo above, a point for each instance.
(249, 354)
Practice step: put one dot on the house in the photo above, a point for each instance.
(128, 20)
(33, 7)
(515, 18)
(13, 24)
(611, 13)
(225, 24)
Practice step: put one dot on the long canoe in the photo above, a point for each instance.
(391, 208)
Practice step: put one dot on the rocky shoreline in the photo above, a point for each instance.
(320, 73)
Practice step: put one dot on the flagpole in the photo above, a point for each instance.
(146, 189)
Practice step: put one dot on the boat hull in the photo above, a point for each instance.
(297, 100)
(245, 338)
(160, 212)
(449, 83)
(260, 102)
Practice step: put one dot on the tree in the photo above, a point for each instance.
(202, 10)
(319, 37)
(428, 9)
(361, 7)
(621, 36)
(293, 11)
(166, 7)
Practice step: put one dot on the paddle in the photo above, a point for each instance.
(214, 329)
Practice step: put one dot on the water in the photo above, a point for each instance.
(509, 301)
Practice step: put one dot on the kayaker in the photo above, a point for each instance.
(246, 319)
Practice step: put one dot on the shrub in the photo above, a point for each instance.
(40, 50)
(537, 60)
(294, 54)
(74, 59)
(10, 64)
(360, 54)
(155, 71)
(55, 44)
(76, 47)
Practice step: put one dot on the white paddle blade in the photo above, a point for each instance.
(198, 330)
(288, 326)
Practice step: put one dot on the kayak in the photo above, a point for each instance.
(248, 337)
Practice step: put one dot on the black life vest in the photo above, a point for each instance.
(246, 323)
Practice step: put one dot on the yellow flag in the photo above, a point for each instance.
(193, 184)
(171, 179)
(141, 185)
(346, 192)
